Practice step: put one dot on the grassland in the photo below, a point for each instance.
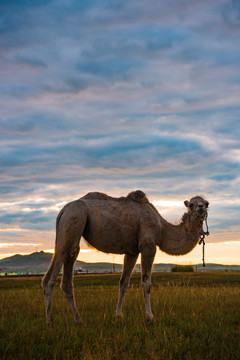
(197, 316)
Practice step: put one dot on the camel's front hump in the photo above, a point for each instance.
(112, 228)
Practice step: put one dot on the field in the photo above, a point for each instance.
(197, 316)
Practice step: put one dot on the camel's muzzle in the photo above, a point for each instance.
(201, 209)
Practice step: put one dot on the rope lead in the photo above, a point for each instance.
(202, 241)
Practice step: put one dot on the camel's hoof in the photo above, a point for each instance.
(119, 317)
(50, 323)
(150, 319)
(79, 322)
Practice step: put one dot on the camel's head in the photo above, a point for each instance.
(197, 206)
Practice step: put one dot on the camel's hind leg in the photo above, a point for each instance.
(129, 263)
(48, 283)
(67, 284)
(70, 225)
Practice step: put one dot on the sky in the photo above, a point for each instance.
(114, 96)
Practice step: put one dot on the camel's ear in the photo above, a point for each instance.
(186, 203)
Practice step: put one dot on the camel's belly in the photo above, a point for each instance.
(111, 234)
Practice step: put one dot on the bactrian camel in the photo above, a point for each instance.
(127, 225)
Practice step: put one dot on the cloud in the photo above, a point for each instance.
(32, 62)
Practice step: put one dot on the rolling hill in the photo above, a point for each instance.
(38, 262)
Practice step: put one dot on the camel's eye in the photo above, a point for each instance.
(206, 204)
(191, 206)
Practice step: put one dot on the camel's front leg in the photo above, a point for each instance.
(147, 254)
(129, 263)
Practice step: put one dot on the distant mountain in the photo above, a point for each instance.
(38, 262)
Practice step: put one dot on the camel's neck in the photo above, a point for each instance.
(180, 239)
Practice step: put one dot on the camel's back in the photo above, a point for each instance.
(137, 196)
(123, 210)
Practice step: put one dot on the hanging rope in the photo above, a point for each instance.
(202, 237)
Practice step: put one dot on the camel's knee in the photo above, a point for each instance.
(146, 284)
(44, 283)
(123, 284)
(47, 288)
(47, 284)
(51, 274)
(46, 279)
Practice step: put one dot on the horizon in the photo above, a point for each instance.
(121, 263)
(116, 96)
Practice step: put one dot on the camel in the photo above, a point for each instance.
(127, 225)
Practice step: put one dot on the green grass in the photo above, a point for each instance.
(197, 316)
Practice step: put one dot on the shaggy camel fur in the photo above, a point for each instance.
(127, 225)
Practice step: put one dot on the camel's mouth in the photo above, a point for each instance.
(201, 212)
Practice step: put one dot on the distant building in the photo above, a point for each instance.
(79, 270)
